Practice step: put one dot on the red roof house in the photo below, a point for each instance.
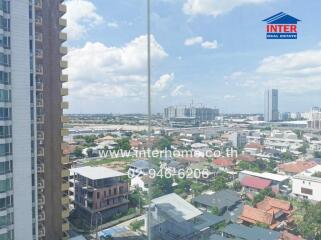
(255, 182)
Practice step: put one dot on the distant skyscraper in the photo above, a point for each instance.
(271, 111)
(34, 173)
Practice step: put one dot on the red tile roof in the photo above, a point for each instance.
(297, 167)
(253, 145)
(273, 205)
(255, 182)
(254, 215)
(223, 162)
(246, 158)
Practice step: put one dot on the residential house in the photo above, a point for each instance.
(306, 185)
(293, 168)
(224, 163)
(174, 218)
(140, 167)
(253, 148)
(227, 202)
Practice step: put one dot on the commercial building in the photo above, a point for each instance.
(34, 175)
(271, 111)
(189, 116)
(314, 119)
(306, 185)
(99, 193)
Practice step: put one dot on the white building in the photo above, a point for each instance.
(283, 144)
(306, 186)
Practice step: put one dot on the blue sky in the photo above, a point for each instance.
(212, 52)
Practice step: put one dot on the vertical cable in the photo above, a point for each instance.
(149, 114)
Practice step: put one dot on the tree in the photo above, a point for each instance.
(78, 152)
(310, 224)
(215, 211)
(261, 195)
(90, 140)
(136, 225)
(219, 183)
(164, 143)
(90, 152)
(317, 154)
(303, 148)
(123, 144)
(162, 186)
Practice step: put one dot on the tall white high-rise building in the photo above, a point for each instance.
(271, 109)
(33, 170)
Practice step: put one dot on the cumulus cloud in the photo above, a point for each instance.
(210, 45)
(193, 41)
(81, 16)
(199, 40)
(296, 72)
(163, 82)
(215, 7)
(113, 24)
(100, 71)
(180, 91)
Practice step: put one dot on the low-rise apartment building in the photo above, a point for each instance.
(99, 191)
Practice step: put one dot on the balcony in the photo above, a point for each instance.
(62, 22)
(39, 86)
(40, 102)
(40, 168)
(65, 187)
(40, 135)
(65, 173)
(40, 152)
(41, 184)
(64, 132)
(64, 78)
(41, 216)
(63, 36)
(65, 199)
(38, 4)
(63, 64)
(64, 92)
(64, 119)
(41, 119)
(63, 50)
(65, 159)
(62, 8)
(39, 53)
(38, 37)
(65, 213)
(38, 21)
(39, 69)
(65, 227)
(64, 105)
(41, 200)
(41, 231)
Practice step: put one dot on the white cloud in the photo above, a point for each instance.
(229, 97)
(180, 91)
(163, 82)
(210, 45)
(113, 24)
(215, 7)
(193, 41)
(81, 16)
(297, 72)
(199, 40)
(100, 71)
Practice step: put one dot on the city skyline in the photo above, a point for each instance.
(196, 56)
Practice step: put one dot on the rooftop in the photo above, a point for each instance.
(176, 207)
(273, 205)
(255, 215)
(96, 173)
(297, 166)
(266, 175)
(255, 182)
(220, 199)
(251, 233)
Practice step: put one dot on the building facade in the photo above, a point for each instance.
(189, 116)
(32, 184)
(314, 120)
(271, 111)
(99, 193)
